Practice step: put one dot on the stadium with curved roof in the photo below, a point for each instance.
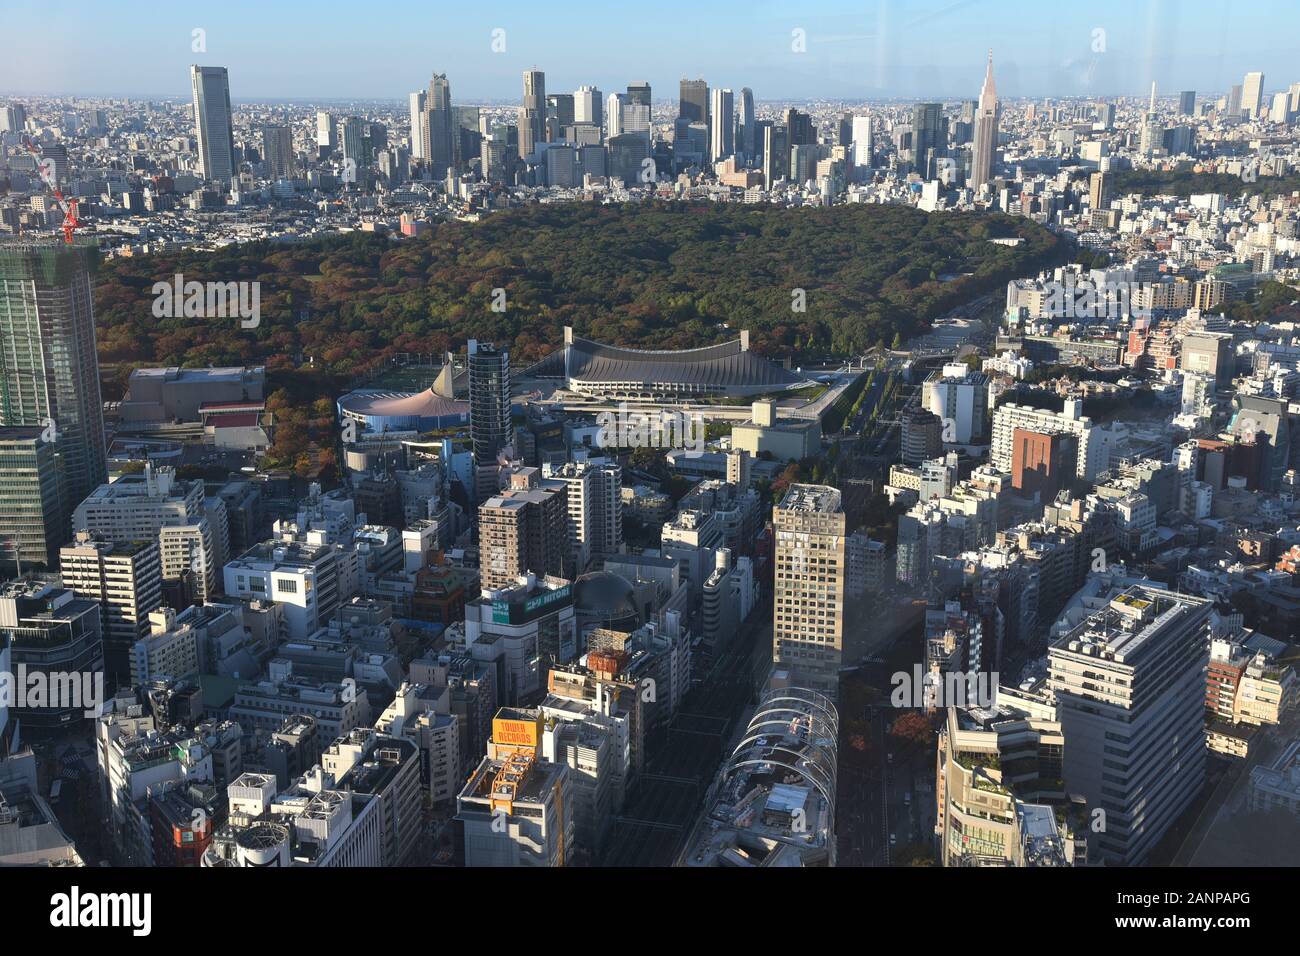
(728, 369)
(423, 411)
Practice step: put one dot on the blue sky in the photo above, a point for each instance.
(287, 49)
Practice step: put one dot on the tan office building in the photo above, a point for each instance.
(809, 583)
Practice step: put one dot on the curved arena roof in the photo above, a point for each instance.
(425, 409)
(728, 368)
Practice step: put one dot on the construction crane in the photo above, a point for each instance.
(45, 166)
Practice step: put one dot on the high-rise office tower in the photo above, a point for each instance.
(614, 104)
(438, 117)
(635, 119)
(560, 108)
(693, 102)
(210, 86)
(799, 128)
(465, 134)
(1234, 101)
(489, 403)
(639, 92)
(1280, 111)
(1252, 95)
(627, 154)
(49, 373)
(776, 154)
(1153, 134)
(588, 107)
(862, 145)
(749, 144)
(125, 577)
(1129, 682)
(986, 131)
(33, 516)
(277, 151)
(1098, 191)
(930, 134)
(354, 146)
(808, 593)
(419, 123)
(844, 129)
(1187, 102)
(532, 116)
(13, 119)
(326, 137)
(722, 129)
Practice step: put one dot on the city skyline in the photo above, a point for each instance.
(890, 50)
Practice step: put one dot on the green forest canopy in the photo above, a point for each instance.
(656, 276)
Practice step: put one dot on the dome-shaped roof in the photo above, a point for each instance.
(603, 592)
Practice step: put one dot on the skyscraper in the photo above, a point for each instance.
(33, 516)
(210, 86)
(1098, 191)
(639, 92)
(776, 154)
(326, 138)
(354, 131)
(799, 128)
(722, 128)
(808, 621)
(438, 144)
(930, 136)
(532, 116)
(419, 123)
(1252, 95)
(1152, 134)
(862, 145)
(559, 115)
(588, 107)
(614, 114)
(1234, 102)
(489, 405)
(277, 151)
(1187, 102)
(986, 131)
(693, 102)
(748, 144)
(49, 373)
(1129, 682)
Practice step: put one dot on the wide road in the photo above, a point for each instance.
(685, 757)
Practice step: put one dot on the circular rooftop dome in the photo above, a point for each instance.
(605, 598)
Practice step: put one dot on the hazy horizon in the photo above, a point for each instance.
(890, 49)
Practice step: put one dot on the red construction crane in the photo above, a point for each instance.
(46, 168)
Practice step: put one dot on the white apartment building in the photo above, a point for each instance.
(303, 578)
(1129, 681)
(1095, 442)
(960, 397)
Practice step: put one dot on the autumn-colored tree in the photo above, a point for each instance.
(912, 727)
